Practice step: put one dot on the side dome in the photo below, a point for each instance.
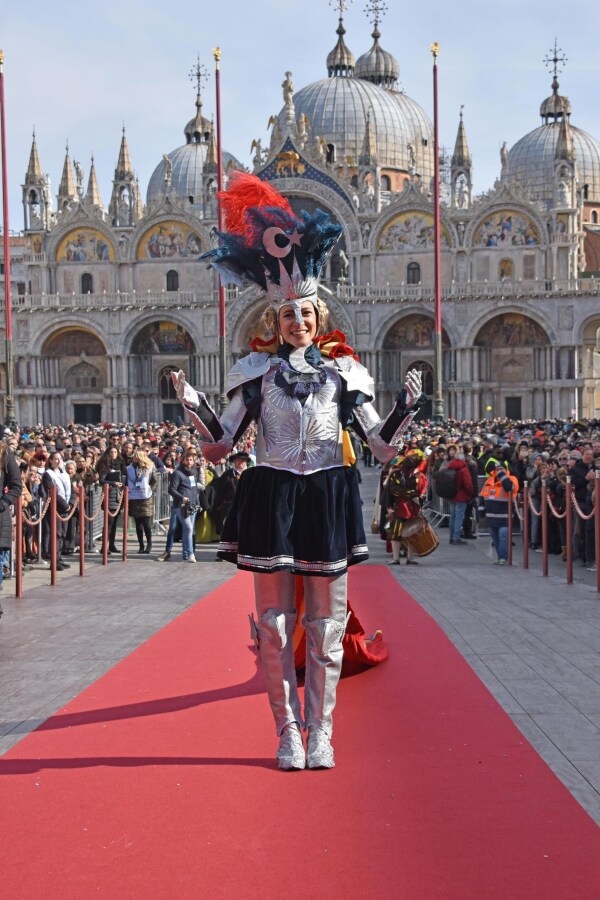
(188, 164)
(377, 65)
(531, 163)
(337, 110)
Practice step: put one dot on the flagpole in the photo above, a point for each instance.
(221, 227)
(438, 397)
(9, 410)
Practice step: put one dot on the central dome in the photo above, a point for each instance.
(337, 109)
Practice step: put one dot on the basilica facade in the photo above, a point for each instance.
(107, 300)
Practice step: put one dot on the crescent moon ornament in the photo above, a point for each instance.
(272, 247)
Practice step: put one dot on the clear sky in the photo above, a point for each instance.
(79, 71)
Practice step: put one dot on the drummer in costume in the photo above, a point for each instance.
(298, 511)
(403, 495)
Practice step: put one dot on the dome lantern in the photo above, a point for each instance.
(340, 62)
(377, 65)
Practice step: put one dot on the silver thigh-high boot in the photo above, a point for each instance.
(277, 618)
(325, 624)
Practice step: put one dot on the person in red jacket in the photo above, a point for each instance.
(464, 493)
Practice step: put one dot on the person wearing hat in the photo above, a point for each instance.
(225, 487)
(495, 502)
(298, 510)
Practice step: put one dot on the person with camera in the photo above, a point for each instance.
(183, 488)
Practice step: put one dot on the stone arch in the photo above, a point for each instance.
(413, 331)
(83, 242)
(162, 336)
(511, 329)
(169, 238)
(410, 228)
(505, 225)
(78, 221)
(136, 325)
(394, 315)
(84, 377)
(73, 341)
(590, 332)
(469, 338)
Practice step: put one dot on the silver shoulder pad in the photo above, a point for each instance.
(246, 369)
(355, 375)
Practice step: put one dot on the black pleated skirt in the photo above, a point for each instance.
(307, 524)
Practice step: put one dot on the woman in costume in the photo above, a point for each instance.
(298, 511)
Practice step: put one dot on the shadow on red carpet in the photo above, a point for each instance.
(143, 787)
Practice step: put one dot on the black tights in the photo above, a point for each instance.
(143, 526)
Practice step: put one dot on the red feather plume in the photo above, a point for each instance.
(243, 192)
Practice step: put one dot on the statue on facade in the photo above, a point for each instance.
(168, 175)
(462, 194)
(562, 194)
(504, 157)
(412, 159)
(344, 266)
(288, 91)
(79, 176)
(257, 159)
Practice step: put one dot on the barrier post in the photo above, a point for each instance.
(569, 528)
(81, 493)
(510, 527)
(105, 526)
(18, 549)
(525, 525)
(544, 511)
(125, 521)
(53, 536)
(597, 526)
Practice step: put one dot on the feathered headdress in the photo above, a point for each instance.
(265, 242)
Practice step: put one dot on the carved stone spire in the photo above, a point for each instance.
(35, 174)
(93, 191)
(67, 190)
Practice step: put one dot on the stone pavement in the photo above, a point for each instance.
(533, 641)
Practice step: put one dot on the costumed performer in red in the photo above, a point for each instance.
(298, 510)
(403, 495)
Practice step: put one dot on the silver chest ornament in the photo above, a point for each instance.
(300, 437)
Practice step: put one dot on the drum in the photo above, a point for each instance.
(420, 536)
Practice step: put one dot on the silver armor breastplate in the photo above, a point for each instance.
(300, 438)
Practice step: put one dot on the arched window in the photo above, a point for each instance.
(87, 283)
(166, 388)
(586, 191)
(413, 273)
(330, 153)
(386, 184)
(594, 217)
(172, 280)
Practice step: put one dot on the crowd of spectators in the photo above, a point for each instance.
(137, 456)
(536, 452)
(67, 456)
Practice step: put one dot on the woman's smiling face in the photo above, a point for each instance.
(298, 324)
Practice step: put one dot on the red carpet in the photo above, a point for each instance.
(159, 780)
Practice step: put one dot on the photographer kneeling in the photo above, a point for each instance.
(183, 488)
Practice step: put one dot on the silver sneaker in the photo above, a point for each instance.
(191, 559)
(319, 753)
(290, 753)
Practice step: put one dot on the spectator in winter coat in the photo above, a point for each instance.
(11, 487)
(464, 493)
(470, 512)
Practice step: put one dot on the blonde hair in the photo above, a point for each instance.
(143, 460)
(270, 318)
